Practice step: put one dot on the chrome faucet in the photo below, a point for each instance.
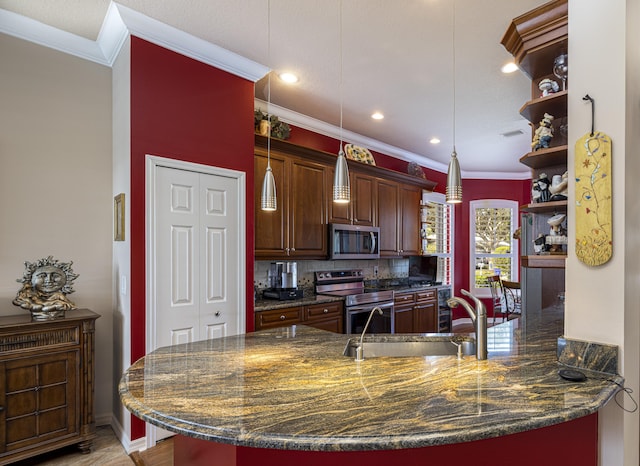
(359, 354)
(479, 318)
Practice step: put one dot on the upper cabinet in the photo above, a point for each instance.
(304, 184)
(296, 228)
(361, 209)
(536, 39)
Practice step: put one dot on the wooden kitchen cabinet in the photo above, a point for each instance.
(398, 218)
(304, 183)
(325, 316)
(416, 312)
(362, 208)
(297, 229)
(46, 384)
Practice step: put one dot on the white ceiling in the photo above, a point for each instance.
(398, 58)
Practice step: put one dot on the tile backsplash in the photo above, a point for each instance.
(387, 268)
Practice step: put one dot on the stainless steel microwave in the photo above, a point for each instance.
(353, 242)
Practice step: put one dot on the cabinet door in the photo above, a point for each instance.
(404, 319)
(40, 402)
(388, 218)
(410, 220)
(426, 317)
(363, 199)
(339, 212)
(308, 219)
(272, 228)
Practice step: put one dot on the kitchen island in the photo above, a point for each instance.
(289, 395)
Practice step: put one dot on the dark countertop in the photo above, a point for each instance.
(291, 388)
(311, 298)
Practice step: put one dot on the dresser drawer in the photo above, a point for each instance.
(20, 341)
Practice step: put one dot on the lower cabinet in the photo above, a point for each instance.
(416, 311)
(46, 384)
(325, 316)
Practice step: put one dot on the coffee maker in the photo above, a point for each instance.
(283, 281)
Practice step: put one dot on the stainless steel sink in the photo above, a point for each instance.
(399, 345)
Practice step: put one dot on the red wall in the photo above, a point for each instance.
(185, 110)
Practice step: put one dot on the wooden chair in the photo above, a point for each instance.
(498, 298)
(513, 299)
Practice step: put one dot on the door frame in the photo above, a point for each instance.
(152, 162)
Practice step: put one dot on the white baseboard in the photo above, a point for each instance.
(128, 445)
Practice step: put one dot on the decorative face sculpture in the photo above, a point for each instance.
(45, 284)
(48, 279)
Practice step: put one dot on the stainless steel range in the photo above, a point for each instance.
(359, 301)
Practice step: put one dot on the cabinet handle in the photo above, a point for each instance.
(1, 408)
(217, 314)
(326, 310)
(282, 317)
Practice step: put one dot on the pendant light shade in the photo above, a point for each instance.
(268, 199)
(341, 186)
(453, 192)
(454, 180)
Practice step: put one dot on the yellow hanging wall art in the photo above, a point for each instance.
(594, 241)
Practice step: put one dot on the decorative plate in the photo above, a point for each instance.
(359, 154)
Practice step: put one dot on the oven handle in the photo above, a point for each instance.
(369, 307)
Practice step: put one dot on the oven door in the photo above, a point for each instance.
(357, 317)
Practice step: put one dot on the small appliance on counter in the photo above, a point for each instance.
(283, 282)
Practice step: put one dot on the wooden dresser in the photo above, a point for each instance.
(46, 384)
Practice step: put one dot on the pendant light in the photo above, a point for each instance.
(268, 200)
(341, 186)
(453, 193)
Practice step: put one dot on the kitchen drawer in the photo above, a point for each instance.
(278, 317)
(426, 295)
(404, 298)
(323, 311)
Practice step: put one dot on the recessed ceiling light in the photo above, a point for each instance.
(434, 141)
(509, 67)
(377, 116)
(289, 78)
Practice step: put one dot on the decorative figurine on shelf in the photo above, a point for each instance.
(559, 187)
(46, 283)
(540, 191)
(557, 236)
(548, 86)
(543, 135)
(540, 244)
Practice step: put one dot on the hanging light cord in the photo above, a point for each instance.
(341, 70)
(453, 42)
(269, 84)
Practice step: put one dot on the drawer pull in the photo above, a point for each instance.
(217, 314)
(325, 310)
(282, 317)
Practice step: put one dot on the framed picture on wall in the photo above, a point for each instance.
(118, 217)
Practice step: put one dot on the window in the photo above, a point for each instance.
(437, 233)
(493, 249)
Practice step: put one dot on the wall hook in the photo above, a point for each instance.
(593, 111)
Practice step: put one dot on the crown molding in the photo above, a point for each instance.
(39, 33)
(119, 23)
(326, 129)
(186, 44)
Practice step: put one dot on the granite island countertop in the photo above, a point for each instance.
(291, 388)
